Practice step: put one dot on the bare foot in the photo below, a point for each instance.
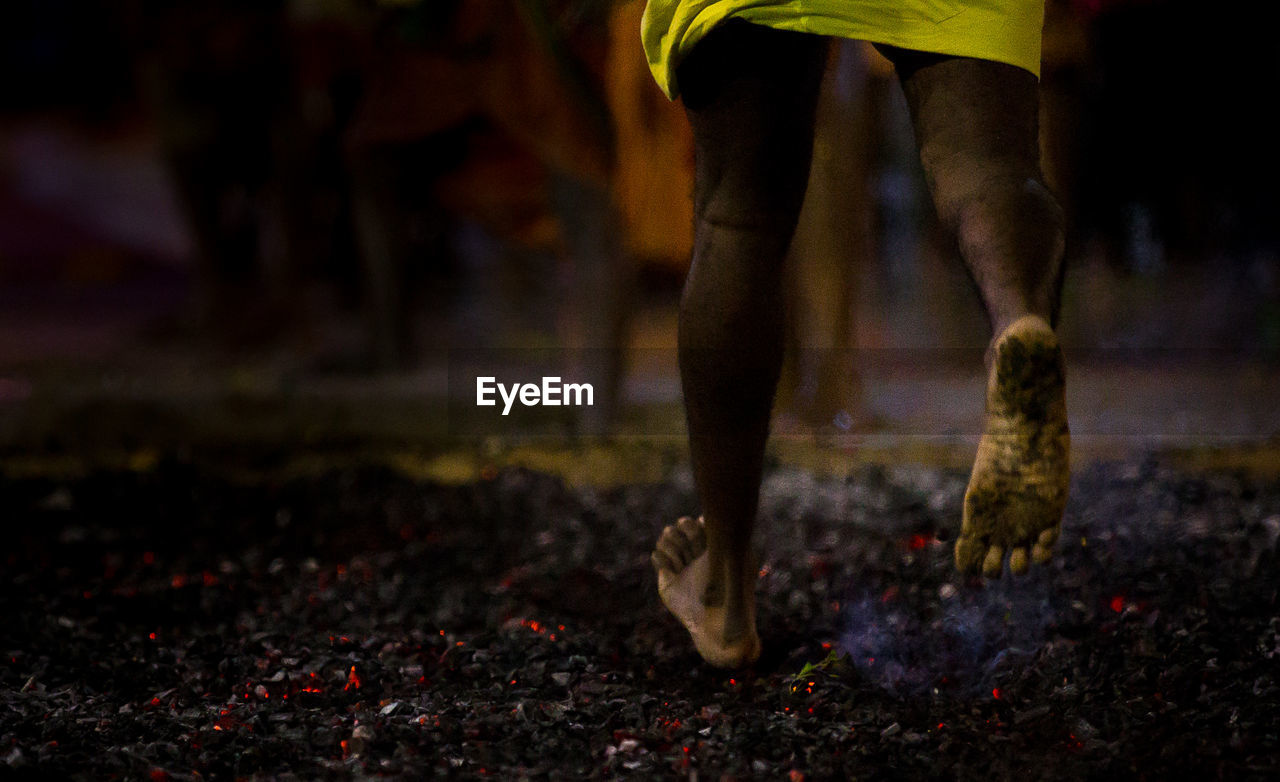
(1018, 490)
(720, 615)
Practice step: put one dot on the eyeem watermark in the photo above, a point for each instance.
(552, 393)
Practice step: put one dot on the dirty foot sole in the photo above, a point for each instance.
(723, 626)
(1018, 490)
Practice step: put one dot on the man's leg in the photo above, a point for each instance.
(976, 127)
(750, 94)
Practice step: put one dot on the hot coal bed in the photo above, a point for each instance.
(173, 624)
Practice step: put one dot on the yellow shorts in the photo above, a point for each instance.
(1006, 31)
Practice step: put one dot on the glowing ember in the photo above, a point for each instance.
(917, 541)
(995, 693)
(353, 680)
(1117, 603)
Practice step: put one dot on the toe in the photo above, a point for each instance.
(993, 563)
(968, 554)
(684, 541)
(1018, 561)
(661, 561)
(1042, 551)
(695, 533)
(672, 544)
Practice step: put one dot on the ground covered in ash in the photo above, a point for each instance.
(169, 623)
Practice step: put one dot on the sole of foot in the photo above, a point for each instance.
(1018, 489)
(721, 622)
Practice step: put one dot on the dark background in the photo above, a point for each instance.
(310, 205)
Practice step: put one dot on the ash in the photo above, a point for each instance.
(196, 619)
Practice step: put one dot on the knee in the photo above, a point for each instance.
(754, 182)
(753, 203)
(1001, 203)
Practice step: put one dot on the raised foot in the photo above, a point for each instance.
(719, 615)
(1018, 490)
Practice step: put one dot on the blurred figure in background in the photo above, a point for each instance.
(217, 76)
(832, 249)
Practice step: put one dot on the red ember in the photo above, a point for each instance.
(353, 680)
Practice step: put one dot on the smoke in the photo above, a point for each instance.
(956, 640)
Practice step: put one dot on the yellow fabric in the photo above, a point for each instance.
(1006, 31)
